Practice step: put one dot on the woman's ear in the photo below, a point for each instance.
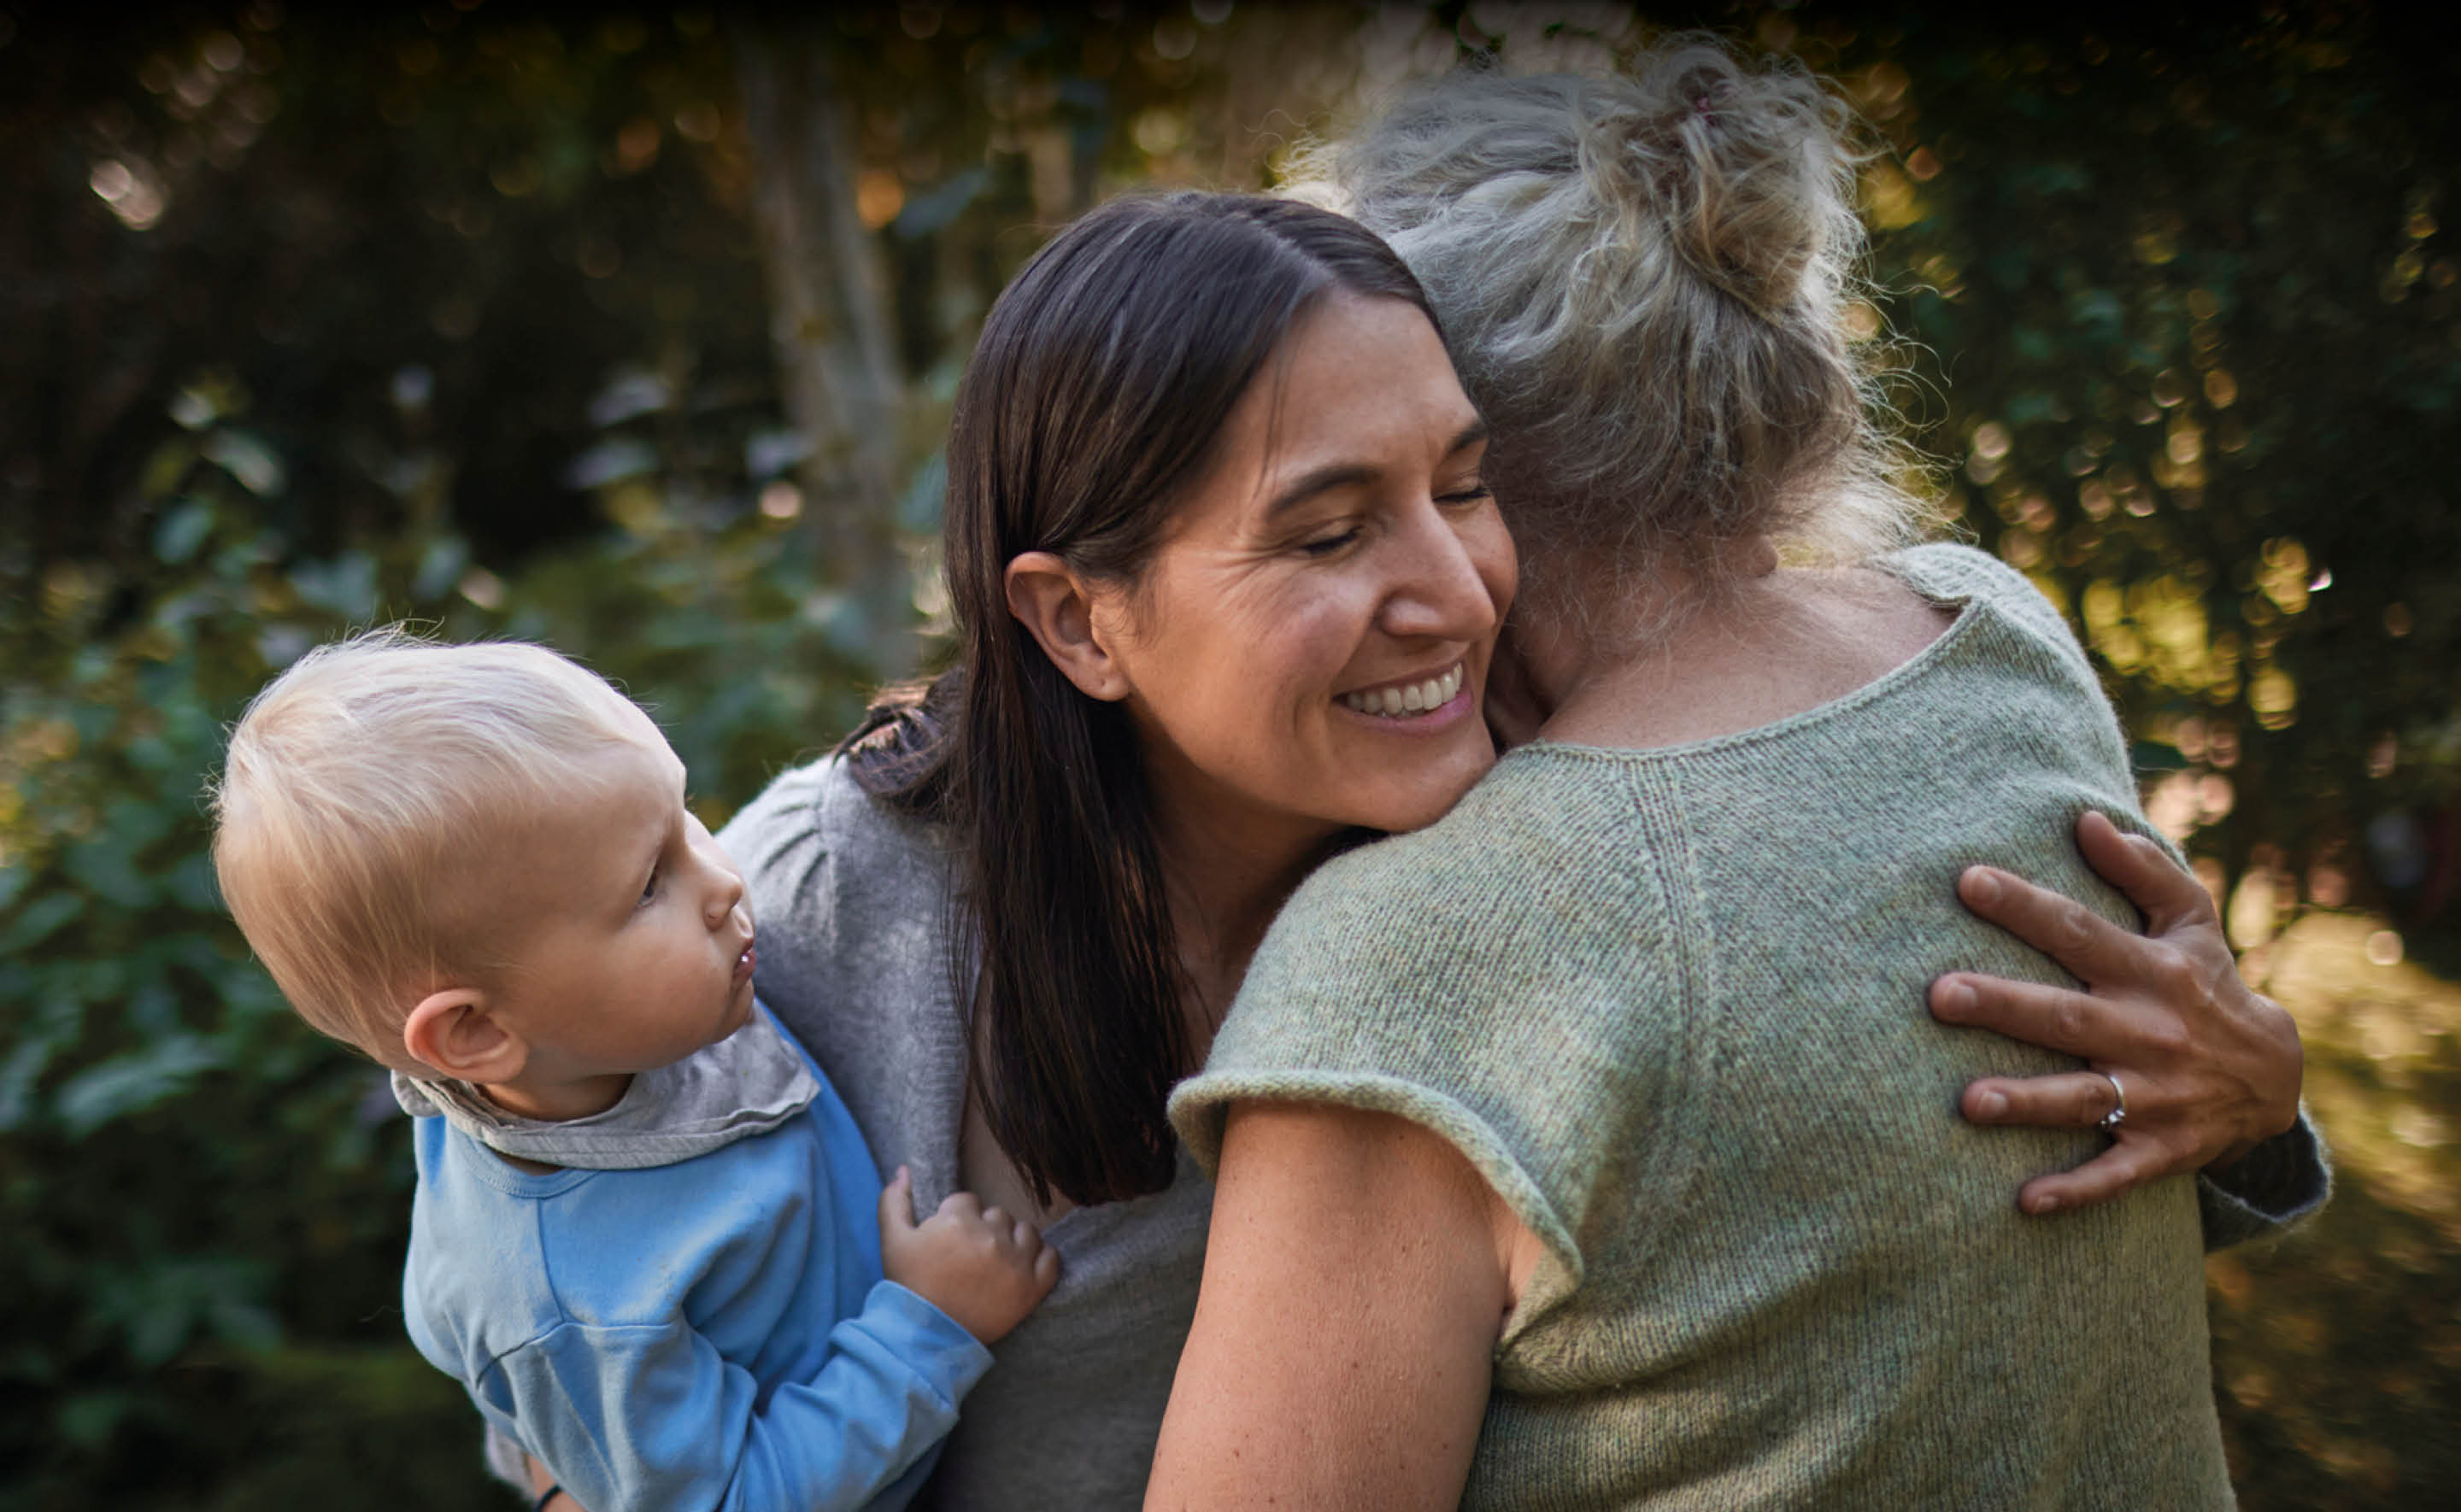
(453, 1033)
(1057, 609)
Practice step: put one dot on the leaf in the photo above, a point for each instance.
(2153, 755)
(130, 1083)
(766, 454)
(19, 1074)
(278, 645)
(346, 584)
(191, 882)
(248, 459)
(166, 468)
(439, 567)
(245, 1322)
(935, 207)
(919, 510)
(627, 396)
(108, 864)
(611, 462)
(182, 531)
(40, 918)
(153, 1010)
(89, 1418)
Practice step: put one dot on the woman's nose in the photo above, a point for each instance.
(1442, 588)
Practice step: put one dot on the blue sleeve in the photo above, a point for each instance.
(651, 1418)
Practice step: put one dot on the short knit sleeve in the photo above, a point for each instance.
(1514, 978)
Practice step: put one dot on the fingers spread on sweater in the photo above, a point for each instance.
(2067, 1100)
(2115, 1172)
(2168, 897)
(2090, 945)
(2053, 1017)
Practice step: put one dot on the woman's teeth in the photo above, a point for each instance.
(1407, 698)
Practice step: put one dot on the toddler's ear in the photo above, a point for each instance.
(452, 1033)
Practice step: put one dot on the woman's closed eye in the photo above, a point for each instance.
(1474, 492)
(1326, 546)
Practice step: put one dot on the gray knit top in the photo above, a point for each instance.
(851, 907)
(1670, 1003)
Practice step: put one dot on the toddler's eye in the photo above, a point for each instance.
(650, 888)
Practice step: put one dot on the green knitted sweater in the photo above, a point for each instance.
(1670, 1003)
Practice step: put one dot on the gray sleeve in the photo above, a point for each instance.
(851, 910)
(2269, 1190)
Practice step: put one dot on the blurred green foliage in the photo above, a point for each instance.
(463, 314)
(2189, 334)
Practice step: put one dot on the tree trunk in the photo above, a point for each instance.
(830, 302)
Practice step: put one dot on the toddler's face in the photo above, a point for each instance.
(630, 940)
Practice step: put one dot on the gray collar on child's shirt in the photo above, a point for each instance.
(747, 1083)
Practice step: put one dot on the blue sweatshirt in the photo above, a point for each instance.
(713, 1333)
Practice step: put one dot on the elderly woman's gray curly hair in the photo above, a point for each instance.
(1643, 279)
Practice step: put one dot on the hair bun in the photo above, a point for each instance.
(1641, 278)
(1747, 171)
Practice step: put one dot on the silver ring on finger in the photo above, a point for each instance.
(2110, 1122)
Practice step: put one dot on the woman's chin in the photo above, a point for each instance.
(1429, 795)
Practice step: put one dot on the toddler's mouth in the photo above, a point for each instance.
(745, 963)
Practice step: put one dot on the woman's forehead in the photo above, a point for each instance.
(1359, 387)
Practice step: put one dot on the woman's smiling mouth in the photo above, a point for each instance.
(1402, 699)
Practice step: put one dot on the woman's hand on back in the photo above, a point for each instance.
(2209, 1068)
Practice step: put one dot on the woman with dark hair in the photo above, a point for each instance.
(1585, 1148)
(1228, 581)
(1009, 914)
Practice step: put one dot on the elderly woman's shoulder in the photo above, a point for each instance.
(1954, 574)
(1953, 571)
(1549, 827)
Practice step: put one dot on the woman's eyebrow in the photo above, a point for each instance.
(1341, 475)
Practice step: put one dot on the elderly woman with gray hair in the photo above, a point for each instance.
(1584, 1149)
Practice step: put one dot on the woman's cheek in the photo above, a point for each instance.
(1319, 640)
(1499, 560)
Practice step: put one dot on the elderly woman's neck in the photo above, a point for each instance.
(1668, 660)
(1579, 622)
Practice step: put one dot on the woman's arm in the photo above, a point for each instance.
(2209, 1068)
(1356, 1277)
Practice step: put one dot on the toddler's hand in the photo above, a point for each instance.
(976, 1264)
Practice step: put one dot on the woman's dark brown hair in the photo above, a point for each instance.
(1093, 403)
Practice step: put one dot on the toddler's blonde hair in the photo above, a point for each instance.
(358, 801)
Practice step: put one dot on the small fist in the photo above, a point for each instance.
(976, 1264)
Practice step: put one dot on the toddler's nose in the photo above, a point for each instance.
(726, 901)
